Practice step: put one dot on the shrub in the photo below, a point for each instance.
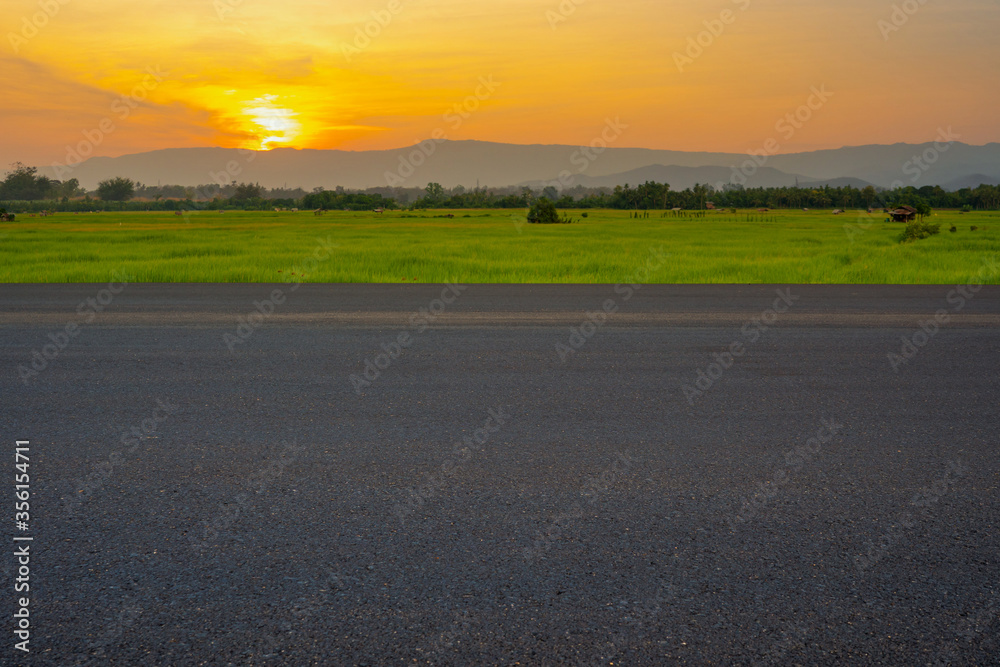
(543, 212)
(953, 229)
(918, 230)
(584, 215)
(116, 189)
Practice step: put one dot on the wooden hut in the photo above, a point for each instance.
(903, 214)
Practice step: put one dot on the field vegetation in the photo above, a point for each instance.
(494, 246)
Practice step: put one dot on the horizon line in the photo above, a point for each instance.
(533, 145)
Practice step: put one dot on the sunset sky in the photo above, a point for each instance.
(125, 76)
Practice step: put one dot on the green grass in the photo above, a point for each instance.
(489, 247)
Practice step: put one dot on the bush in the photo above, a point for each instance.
(116, 189)
(584, 215)
(918, 230)
(543, 212)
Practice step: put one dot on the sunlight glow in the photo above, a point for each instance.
(270, 124)
(310, 74)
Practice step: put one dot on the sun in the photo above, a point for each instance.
(271, 125)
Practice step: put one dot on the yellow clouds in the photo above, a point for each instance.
(385, 73)
(71, 120)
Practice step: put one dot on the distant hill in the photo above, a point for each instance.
(971, 181)
(465, 163)
(680, 178)
(910, 164)
(843, 182)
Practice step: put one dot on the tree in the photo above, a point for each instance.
(68, 189)
(543, 211)
(923, 209)
(550, 192)
(868, 192)
(116, 189)
(248, 191)
(700, 196)
(435, 193)
(23, 183)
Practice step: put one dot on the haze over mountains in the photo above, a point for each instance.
(465, 163)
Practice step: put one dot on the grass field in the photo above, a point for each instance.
(493, 247)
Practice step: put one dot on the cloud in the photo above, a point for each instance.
(45, 112)
(559, 80)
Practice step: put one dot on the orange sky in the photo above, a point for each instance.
(123, 76)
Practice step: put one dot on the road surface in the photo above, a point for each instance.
(535, 475)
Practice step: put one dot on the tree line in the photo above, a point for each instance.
(23, 187)
(658, 196)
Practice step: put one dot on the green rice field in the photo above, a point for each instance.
(495, 246)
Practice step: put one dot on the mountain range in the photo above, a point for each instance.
(468, 163)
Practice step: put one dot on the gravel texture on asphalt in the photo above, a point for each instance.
(503, 475)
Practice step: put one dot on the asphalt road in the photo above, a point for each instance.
(536, 475)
